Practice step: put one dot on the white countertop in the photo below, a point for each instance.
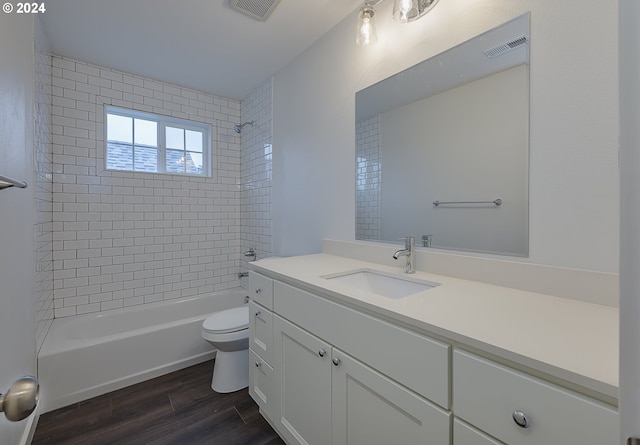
(571, 340)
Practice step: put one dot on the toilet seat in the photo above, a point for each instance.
(227, 321)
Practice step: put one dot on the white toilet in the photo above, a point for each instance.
(228, 332)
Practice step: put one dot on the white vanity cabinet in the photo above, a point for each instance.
(328, 373)
(416, 361)
(519, 409)
(261, 372)
(325, 396)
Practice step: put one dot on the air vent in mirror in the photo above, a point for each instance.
(506, 47)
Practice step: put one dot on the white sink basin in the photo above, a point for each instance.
(380, 283)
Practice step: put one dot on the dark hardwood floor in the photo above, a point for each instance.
(178, 408)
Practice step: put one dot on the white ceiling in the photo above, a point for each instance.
(199, 44)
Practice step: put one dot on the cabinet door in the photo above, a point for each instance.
(261, 331)
(303, 385)
(370, 409)
(261, 383)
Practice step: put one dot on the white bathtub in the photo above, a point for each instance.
(89, 355)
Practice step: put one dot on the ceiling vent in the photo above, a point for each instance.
(506, 47)
(256, 9)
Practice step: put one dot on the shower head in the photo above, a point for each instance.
(239, 127)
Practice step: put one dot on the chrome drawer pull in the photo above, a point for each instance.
(258, 290)
(258, 364)
(520, 419)
(336, 361)
(322, 352)
(258, 313)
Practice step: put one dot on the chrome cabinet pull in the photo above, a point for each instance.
(520, 419)
(322, 352)
(258, 290)
(258, 313)
(258, 364)
(335, 361)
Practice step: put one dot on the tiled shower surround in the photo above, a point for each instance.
(256, 173)
(124, 238)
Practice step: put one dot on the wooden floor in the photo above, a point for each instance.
(178, 408)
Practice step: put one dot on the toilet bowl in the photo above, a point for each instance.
(228, 332)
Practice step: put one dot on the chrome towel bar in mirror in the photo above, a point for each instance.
(497, 202)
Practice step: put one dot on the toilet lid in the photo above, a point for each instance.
(230, 320)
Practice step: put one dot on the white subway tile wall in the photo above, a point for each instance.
(368, 179)
(256, 173)
(124, 238)
(42, 184)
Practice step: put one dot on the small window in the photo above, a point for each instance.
(144, 142)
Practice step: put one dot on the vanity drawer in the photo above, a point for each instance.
(486, 395)
(261, 383)
(261, 289)
(464, 434)
(416, 361)
(261, 331)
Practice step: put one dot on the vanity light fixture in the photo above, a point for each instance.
(406, 11)
(366, 32)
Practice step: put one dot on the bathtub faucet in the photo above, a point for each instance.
(251, 253)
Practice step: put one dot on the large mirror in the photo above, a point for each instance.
(442, 148)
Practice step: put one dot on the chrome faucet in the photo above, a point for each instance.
(408, 251)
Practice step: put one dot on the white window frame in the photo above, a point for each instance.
(162, 122)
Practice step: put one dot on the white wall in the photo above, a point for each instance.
(573, 147)
(17, 320)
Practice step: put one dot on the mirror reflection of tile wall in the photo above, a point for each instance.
(368, 180)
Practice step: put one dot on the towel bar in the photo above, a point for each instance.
(6, 182)
(497, 202)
